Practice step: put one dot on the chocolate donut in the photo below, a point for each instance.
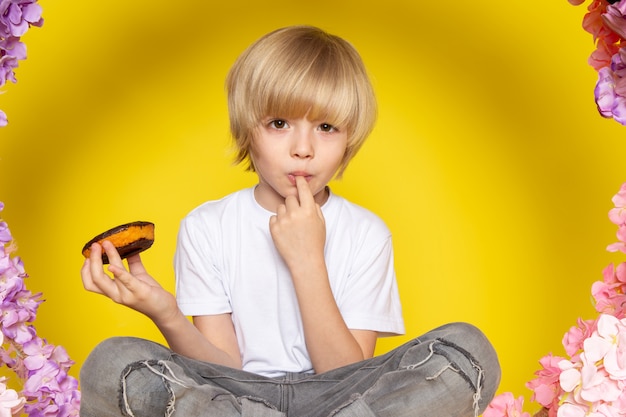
(129, 239)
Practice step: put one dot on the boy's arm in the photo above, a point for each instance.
(209, 338)
(299, 233)
(214, 339)
(329, 341)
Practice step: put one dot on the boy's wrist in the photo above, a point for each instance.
(168, 318)
(307, 268)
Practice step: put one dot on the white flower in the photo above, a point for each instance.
(10, 402)
(608, 343)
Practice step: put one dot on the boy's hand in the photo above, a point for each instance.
(135, 289)
(298, 228)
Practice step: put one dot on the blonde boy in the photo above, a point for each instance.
(288, 284)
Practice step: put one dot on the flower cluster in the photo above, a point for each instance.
(591, 381)
(606, 21)
(16, 17)
(42, 368)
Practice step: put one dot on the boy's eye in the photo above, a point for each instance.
(326, 127)
(278, 124)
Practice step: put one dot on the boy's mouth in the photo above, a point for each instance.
(292, 176)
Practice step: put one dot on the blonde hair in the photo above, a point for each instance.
(297, 71)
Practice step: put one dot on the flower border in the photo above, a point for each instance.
(591, 381)
(605, 20)
(42, 368)
(16, 17)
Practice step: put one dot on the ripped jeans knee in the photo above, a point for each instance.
(454, 373)
(151, 388)
(155, 379)
(457, 360)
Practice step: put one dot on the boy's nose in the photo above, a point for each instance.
(303, 145)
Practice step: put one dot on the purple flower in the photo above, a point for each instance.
(12, 50)
(16, 16)
(42, 410)
(13, 47)
(43, 368)
(605, 92)
(610, 90)
(14, 325)
(60, 356)
(44, 380)
(37, 353)
(5, 233)
(7, 64)
(68, 399)
(614, 18)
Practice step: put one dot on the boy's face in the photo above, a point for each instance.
(285, 148)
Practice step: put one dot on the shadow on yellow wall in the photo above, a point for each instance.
(489, 162)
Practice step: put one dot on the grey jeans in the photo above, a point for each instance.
(452, 371)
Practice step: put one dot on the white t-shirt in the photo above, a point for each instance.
(226, 262)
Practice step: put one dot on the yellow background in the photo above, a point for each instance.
(489, 162)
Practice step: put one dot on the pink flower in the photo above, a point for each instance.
(505, 405)
(572, 410)
(610, 294)
(546, 386)
(574, 338)
(609, 343)
(601, 56)
(570, 376)
(596, 384)
(621, 245)
(609, 299)
(612, 275)
(593, 23)
(617, 215)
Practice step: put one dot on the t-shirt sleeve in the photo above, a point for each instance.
(372, 300)
(199, 286)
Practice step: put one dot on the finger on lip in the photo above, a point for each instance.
(305, 177)
(293, 179)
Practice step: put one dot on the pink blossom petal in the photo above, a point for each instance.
(615, 359)
(569, 379)
(617, 215)
(596, 385)
(620, 272)
(607, 326)
(618, 246)
(505, 405)
(572, 410)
